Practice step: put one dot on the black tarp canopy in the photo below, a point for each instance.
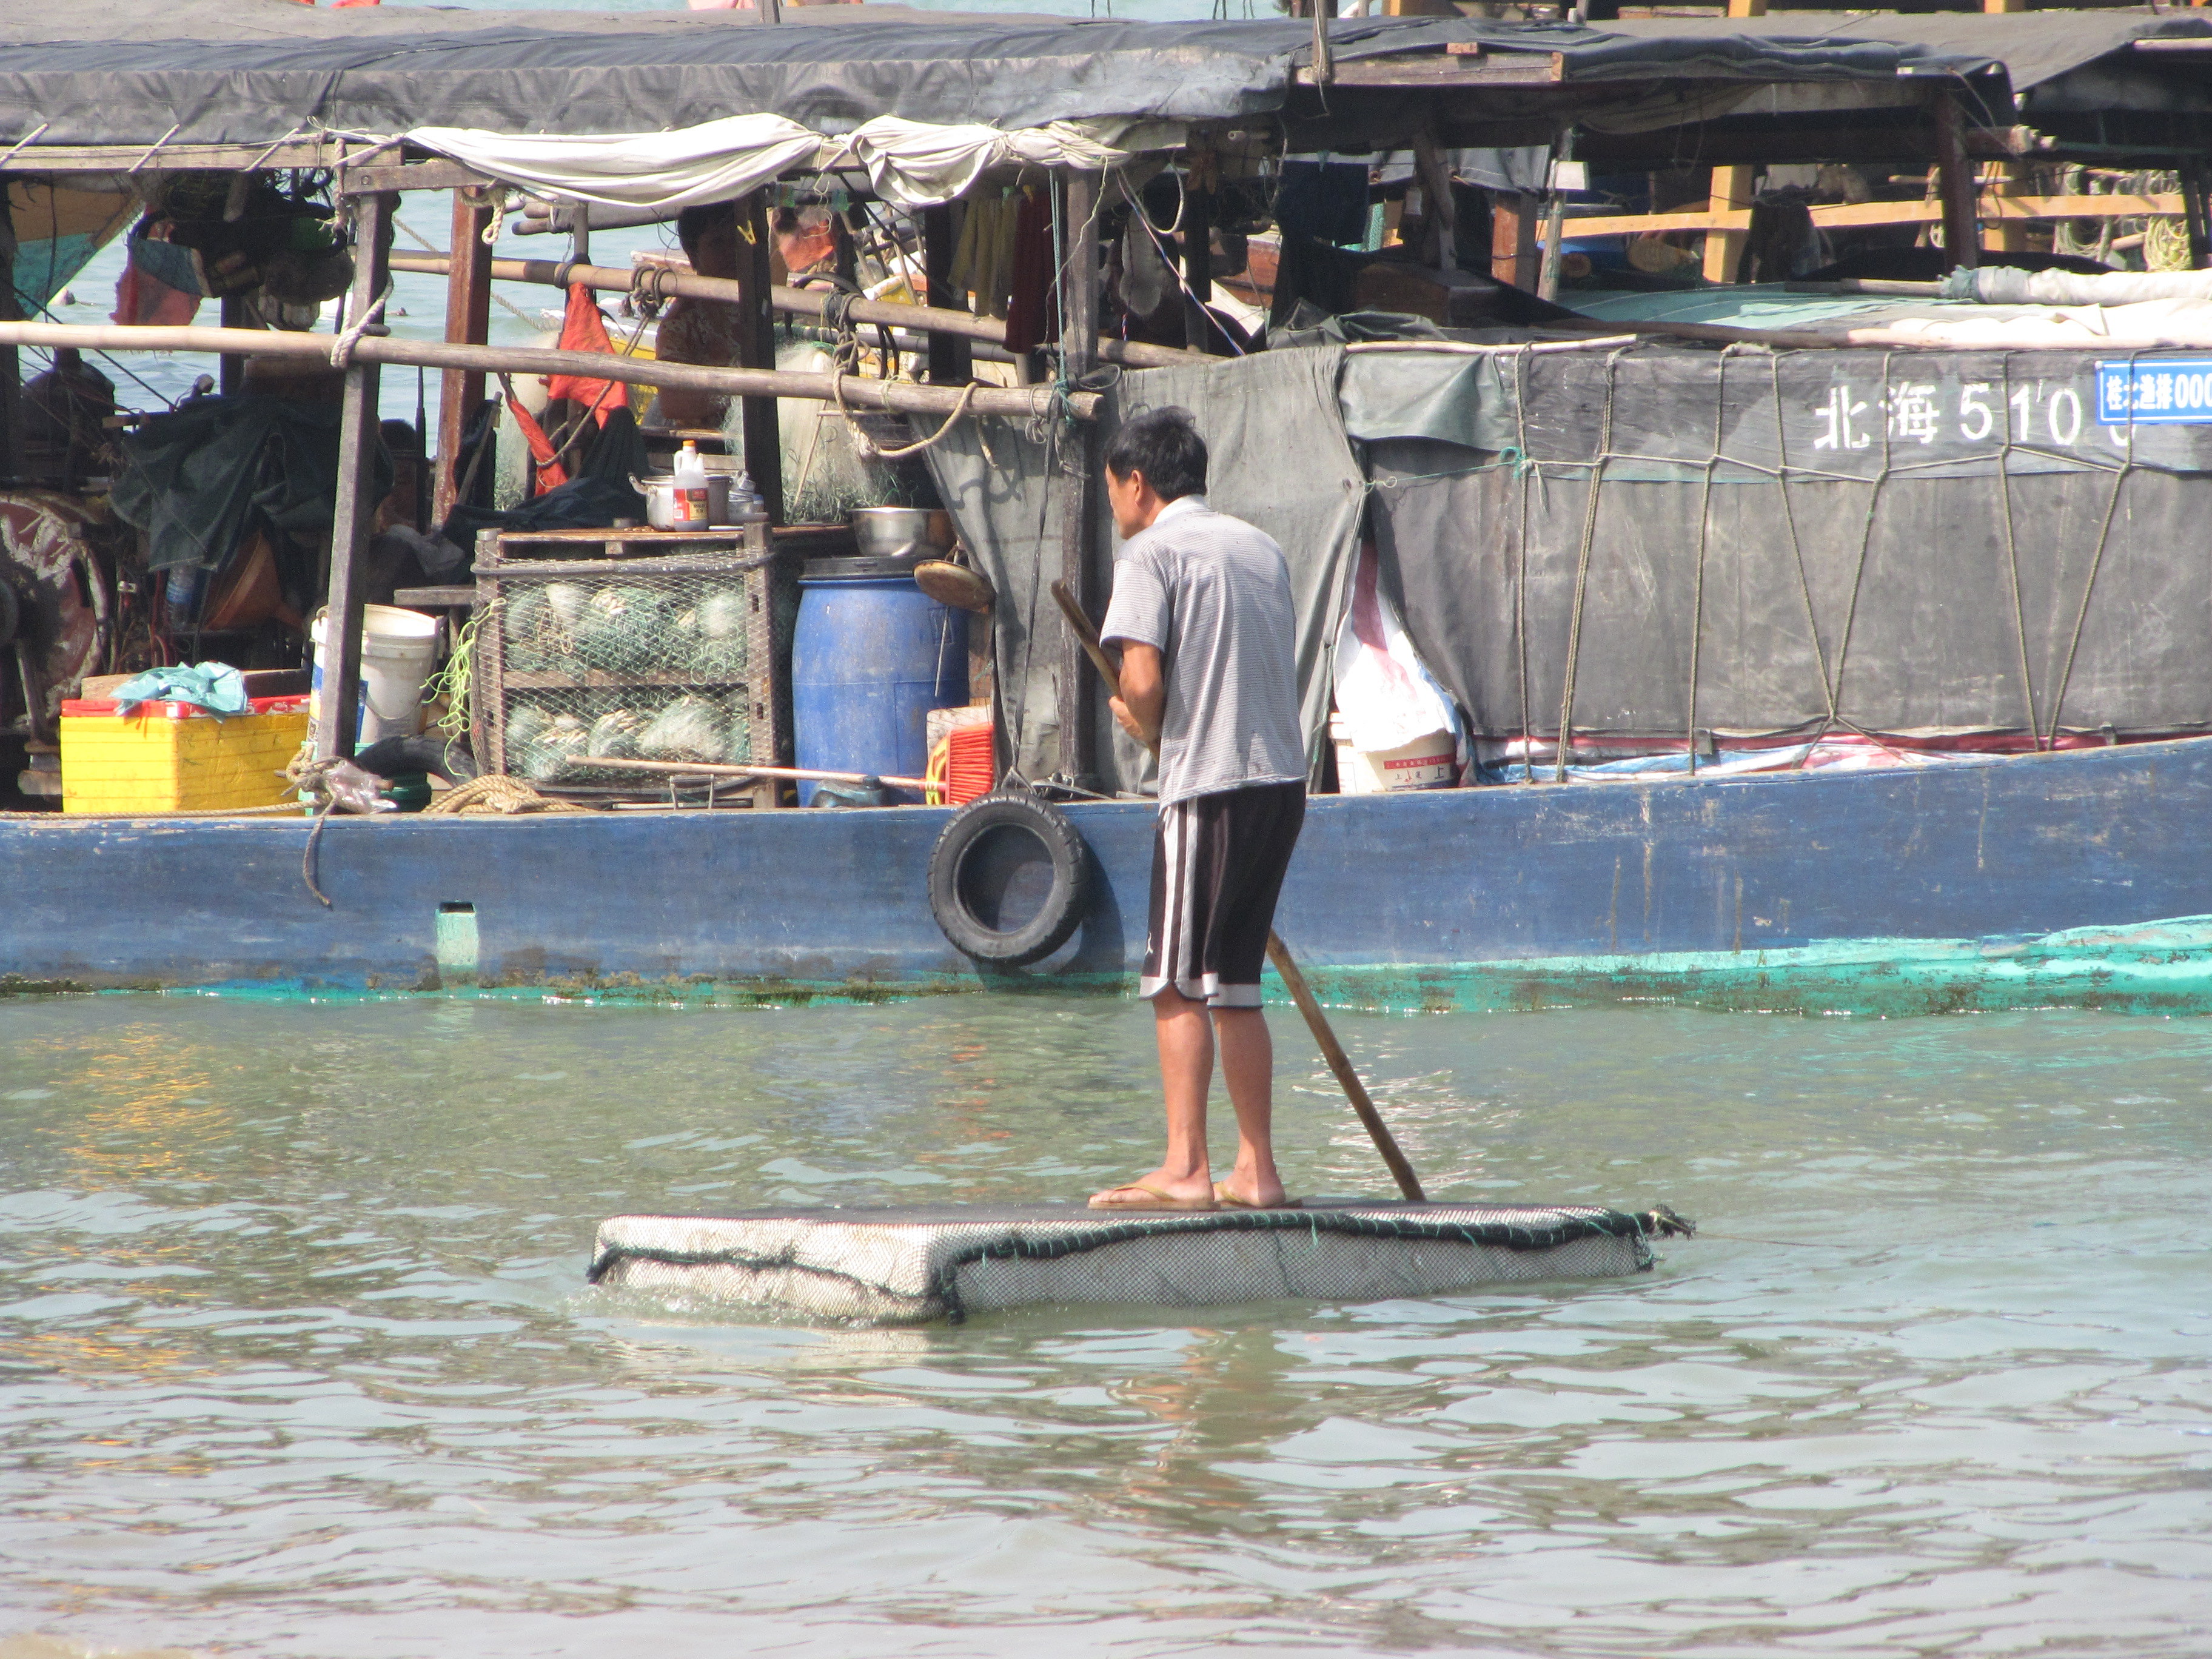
(2039, 50)
(252, 71)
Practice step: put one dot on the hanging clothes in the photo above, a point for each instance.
(1029, 309)
(546, 470)
(583, 329)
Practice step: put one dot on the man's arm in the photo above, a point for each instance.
(1144, 699)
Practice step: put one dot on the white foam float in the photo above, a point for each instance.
(911, 1266)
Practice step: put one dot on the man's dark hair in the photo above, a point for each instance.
(1163, 445)
(694, 222)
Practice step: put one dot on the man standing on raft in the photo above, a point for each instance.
(1202, 614)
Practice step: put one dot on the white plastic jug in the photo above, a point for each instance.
(693, 508)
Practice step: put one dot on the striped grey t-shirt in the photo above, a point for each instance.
(1213, 594)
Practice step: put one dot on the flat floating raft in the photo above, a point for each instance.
(911, 1265)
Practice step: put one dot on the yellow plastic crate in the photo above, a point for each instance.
(173, 757)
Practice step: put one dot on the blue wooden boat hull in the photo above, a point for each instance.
(2074, 879)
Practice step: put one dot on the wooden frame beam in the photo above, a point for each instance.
(1957, 187)
(860, 392)
(1858, 214)
(1079, 451)
(337, 718)
(763, 434)
(468, 322)
(209, 158)
(794, 302)
(1430, 70)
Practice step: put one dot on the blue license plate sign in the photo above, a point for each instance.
(2163, 391)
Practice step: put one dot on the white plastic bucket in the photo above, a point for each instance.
(1430, 761)
(399, 648)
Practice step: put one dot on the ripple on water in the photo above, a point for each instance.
(295, 1357)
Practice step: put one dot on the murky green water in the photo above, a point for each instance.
(296, 1357)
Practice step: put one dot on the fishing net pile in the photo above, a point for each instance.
(645, 667)
(906, 1266)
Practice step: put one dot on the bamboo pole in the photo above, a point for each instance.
(898, 396)
(1347, 1076)
(712, 769)
(794, 302)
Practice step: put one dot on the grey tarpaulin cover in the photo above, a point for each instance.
(901, 1267)
(1278, 459)
(1896, 541)
(251, 72)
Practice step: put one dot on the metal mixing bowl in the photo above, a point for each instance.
(914, 533)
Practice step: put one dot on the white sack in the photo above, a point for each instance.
(1384, 691)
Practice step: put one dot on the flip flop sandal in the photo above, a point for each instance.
(1229, 1200)
(1154, 1200)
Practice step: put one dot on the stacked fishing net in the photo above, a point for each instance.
(551, 739)
(649, 668)
(668, 627)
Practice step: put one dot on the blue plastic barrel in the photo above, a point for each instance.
(872, 655)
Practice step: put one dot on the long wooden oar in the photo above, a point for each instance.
(1278, 952)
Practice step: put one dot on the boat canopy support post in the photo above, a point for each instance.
(468, 322)
(1958, 182)
(756, 350)
(1200, 331)
(1513, 239)
(1079, 454)
(952, 358)
(14, 463)
(354, 515)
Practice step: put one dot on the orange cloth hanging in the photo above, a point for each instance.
(549, 472)
(584, 330)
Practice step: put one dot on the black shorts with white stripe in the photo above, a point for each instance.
(1218, 866)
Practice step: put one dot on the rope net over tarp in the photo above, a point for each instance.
(902, 1266)
(1649, 543)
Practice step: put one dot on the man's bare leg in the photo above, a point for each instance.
(1186, 1042)
(1248, 1066)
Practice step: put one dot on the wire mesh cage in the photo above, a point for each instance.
(669, 659)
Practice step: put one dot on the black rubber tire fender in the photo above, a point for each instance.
(1064, 905)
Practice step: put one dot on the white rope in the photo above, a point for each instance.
(343, 342)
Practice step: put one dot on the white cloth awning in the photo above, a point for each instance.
(910, 163)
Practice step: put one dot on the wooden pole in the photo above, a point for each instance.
(712, 769)
(468, 322)
(903, 397)
(1730, 190)
(1442, 207)
(1200, 331)
(2195, 217)
(1513, 239)
(14, 463)
(756, 351)
(2008, 179)
(1957, 185)
(793, 301)
(1347, 1076)
(952, 360)
(1078, 327)
(338, 725)
(230, 372)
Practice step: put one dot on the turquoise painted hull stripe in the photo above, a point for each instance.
(2157, 967)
